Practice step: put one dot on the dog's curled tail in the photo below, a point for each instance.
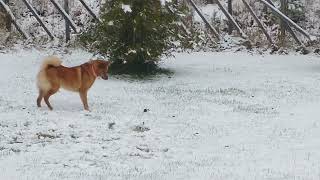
(50, 61)
(42, 80)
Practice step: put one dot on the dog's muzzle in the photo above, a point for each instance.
(105, 77)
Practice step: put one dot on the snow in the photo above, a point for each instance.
(219, 116)
(132, 51)
(110, 23)
(163, 2)
(126, 8)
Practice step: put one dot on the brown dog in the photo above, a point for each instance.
(53, 75)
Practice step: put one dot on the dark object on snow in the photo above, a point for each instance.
(15, 140)
(140, 128)
(146, 110)
(144, 149)
(74, 136)
(165, 149)
(43, 135)
(110, 125)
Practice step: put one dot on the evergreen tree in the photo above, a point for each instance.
(134, 34)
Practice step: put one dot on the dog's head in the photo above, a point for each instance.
(101, 68)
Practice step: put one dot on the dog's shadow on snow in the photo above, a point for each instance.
(65, 101)
(63, 106)
(159, 74)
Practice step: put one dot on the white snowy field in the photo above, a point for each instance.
(227, 116)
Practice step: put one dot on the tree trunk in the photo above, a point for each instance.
(5, 20)
(284, 10)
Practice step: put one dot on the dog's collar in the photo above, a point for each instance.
(93, 71)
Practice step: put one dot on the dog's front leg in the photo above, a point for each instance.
(83, 96)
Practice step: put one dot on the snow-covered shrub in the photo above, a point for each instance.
(133, 34)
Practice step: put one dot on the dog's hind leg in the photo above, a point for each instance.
(41, 93)
(47, 96)
(83, 96)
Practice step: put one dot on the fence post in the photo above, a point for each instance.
(230, 12)
(66, 8)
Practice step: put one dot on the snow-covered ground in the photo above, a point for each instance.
(227, 116)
